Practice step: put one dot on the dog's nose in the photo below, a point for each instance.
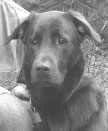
(42, 68)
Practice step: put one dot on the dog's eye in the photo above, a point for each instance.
(36, 39)
(62, 41)
(34, 42)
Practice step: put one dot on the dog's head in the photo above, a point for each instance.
(53, 57)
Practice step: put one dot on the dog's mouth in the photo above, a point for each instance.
(40, 79)
(42, 83)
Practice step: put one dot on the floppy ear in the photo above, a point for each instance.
(19, 31)
(84, 28)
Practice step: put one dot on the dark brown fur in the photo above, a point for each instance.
(66, 99)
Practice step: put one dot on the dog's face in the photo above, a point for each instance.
(50, 41)
(52, 45)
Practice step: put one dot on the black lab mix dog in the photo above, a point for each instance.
(66, 99)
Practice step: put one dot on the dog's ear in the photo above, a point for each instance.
(83, 27)
(19, 31)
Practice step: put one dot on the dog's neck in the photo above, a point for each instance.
(72, 79)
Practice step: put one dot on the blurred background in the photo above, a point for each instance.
(96, 12)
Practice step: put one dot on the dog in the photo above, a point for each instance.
(53, 69)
